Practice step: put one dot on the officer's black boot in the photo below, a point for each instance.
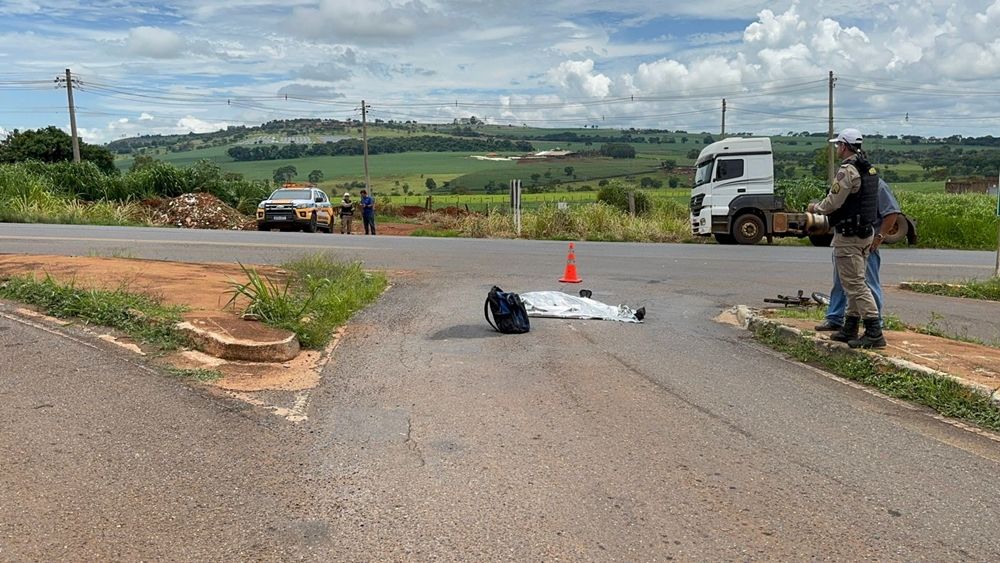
(872, 338)
(847, 332)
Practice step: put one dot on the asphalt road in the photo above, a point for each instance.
(432, 437)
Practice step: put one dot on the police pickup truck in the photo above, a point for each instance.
(296, 208)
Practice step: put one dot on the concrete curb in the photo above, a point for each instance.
(910, 284)
(749, 320)
(280, 347)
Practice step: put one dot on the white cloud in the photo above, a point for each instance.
(193, 124)
(398, 52)
(154, 42)
(771, 30)
(577, 78)
(373, 21)
(19, 7)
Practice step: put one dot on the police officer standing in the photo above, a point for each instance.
(852, 207)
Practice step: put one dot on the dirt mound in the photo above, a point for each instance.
(198, 211)
(411, 211)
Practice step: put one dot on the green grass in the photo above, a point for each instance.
(941, 394)
(436, 233)
(116, 252)
(668, 222)
(197, 374)
(818, 313)
(319, 295)
(140, 316)
(959, 221)
(918, 187)
(585, 170)
(988, 290)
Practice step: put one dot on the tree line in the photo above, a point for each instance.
(376, 145)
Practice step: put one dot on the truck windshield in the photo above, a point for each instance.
(291, 194)
(704, 173)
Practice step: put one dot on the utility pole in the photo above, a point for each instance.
(831, 155)
(72, 116)
(364, 139)
(723, 118)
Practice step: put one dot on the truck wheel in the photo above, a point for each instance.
(723, 238)
(821, 240)
(311, 228)
(899, 232)
(748, 229)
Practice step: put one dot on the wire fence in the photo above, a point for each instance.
(488, 202)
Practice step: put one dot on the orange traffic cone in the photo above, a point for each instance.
(570, 275)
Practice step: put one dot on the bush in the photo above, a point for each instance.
(668, 222)
(616, 195)
(799, 192)
(160, 179)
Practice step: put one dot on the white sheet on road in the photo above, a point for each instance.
(564, 306)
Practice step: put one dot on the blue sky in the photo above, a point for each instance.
(924, 67)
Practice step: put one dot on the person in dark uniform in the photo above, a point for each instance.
(885, 222)
(852, 207)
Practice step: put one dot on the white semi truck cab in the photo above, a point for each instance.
(733, 198)
(733, 191)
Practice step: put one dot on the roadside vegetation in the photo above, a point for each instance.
(933, 326)
(944, 395)
(319, 295)
(956, 221)
(121, 184)
(140, 316)
(988, 290)
(196, 374)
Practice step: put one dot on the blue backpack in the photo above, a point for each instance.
(508, 312)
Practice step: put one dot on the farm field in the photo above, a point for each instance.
(408, 172)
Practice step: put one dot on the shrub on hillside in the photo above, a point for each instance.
(616, 195)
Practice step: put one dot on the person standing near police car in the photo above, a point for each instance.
(852, 207)
(346, 214)
(368, 212)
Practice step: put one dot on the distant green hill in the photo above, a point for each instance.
(900, 158)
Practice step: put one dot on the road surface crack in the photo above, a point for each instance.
(412, 444)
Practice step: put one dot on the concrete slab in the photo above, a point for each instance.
(229, 337)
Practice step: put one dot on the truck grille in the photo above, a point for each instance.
(697, 202)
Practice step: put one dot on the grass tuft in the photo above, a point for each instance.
(204, 375)
(319, 295)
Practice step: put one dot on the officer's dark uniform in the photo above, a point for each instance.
(852, 206)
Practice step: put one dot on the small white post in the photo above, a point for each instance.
(515, 204)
